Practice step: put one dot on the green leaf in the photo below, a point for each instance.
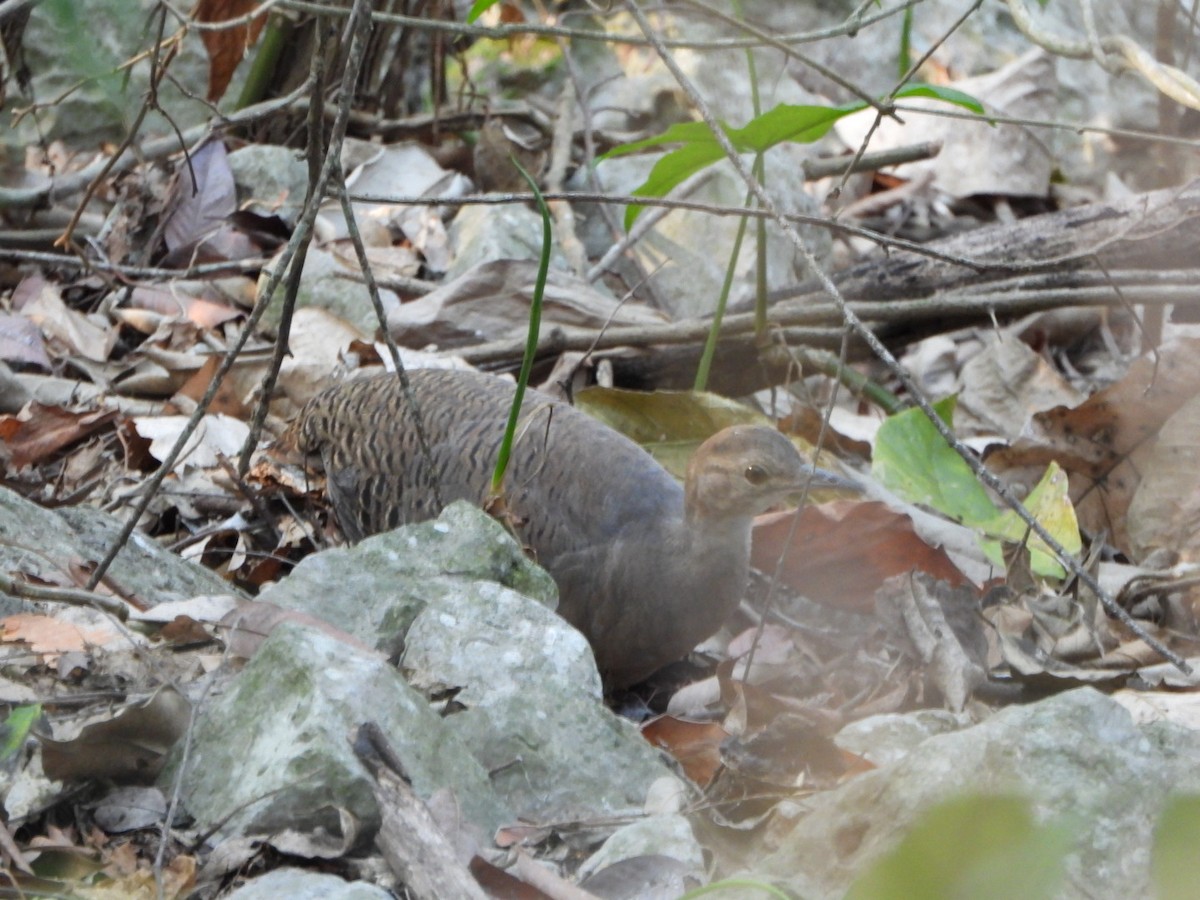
(1173, 856)
(913, 460)
(905, 54)
(16, 728)
(798, 124)
(783, 123)
(478, 8)
(672, 170)
(982, 847)
(1050, 503)
(949, 95)
(531, 335)
(679, 133)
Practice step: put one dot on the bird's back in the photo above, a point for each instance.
(573, 483)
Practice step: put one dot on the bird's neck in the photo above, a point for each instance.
(703, 528)
(716, 550)
(690, 571)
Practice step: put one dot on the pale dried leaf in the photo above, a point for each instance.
(204, 608)
(21, 342)
(976, 156)
(77, 333)
(1004, 385)
(1164, 513)
(215, 435)
(202, 203)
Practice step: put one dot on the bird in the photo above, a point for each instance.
(500, 141)
(646, 568)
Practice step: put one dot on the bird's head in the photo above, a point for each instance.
(745, 470)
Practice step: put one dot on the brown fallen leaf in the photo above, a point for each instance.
(226, 46)
(695, 745)
(40, 431)
(50, 638)
(1104, 444)
(129, 747)
(843, 551)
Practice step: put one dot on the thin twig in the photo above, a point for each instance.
(68, 596)
(316, 151)
(853, 25)
(410, 396)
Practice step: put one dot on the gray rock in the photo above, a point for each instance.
(271, 180)
(39, 542)
(1076, 755)
(452, 593)
(483, 233)
(532, 703)
(375, 589)
(299, 884)
(75, 49)
(663, 835)
(496, 642)
(887, 738)
(273, 751)
(327, 284)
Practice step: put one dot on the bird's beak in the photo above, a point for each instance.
(815, 479)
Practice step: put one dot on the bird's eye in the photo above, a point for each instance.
(755, 474)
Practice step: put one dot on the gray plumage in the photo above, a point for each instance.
(646, 568)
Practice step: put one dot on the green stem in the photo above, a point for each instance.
(714, 333)
(274, 38)
(531, 338)
(858, 383)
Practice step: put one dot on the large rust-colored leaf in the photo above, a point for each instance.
(695, 745)
(226, 46)
(843, 551)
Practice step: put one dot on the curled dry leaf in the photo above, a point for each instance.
(696, 746)
(942, 626)
(172, 305)
(73, 332)
(129, 747)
